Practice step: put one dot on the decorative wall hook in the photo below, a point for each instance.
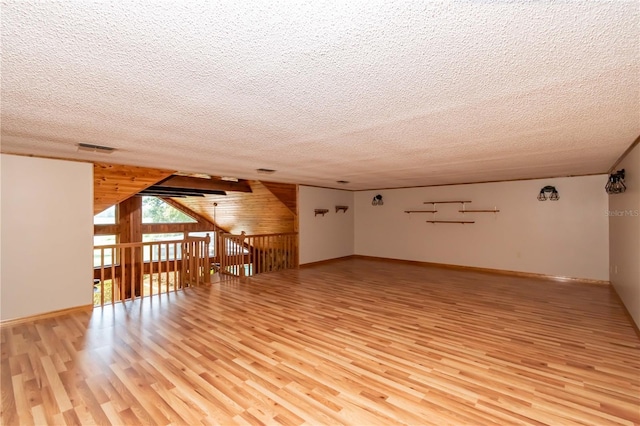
(554, 196)
(377, 200)
(321, 211)
(343, 208)
(616, 185)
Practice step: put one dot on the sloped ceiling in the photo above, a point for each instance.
(379, 93)
(257, 212)
(114, 183)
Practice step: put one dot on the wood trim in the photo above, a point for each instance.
(48, 157)
(472, 183)
(624, 155)
(59, 312)
(486, 270)
(326, 261)
(110, 229)
(337, 189)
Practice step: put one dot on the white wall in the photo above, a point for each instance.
(624, 236)
(329, 236)
(566, 238)
(47, 235)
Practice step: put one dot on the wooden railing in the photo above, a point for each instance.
(247, 255)
(131, 270)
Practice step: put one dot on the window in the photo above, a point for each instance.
(154, 210)
(103, 240)
(161, 251)
(106, 217)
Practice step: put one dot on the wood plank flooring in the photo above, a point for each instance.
(357, 341)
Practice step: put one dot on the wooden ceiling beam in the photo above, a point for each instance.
(207, 184)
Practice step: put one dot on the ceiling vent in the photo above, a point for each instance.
(95, 148)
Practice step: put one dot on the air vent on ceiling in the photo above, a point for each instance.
(95, 148)
(265, 171)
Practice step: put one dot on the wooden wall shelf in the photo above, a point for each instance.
(343, 208)
(321, 211)
(479, 211)
(445, 202)
(421, 211)
(451, 221)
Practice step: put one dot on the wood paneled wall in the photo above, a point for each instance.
(258, 212)
(113, 183)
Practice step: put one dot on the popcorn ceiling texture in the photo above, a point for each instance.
(382, 94)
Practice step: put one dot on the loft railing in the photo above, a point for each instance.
(131, 270)
(247, 255)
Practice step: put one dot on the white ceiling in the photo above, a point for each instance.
(382, 94)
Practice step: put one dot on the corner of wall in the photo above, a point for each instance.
(624, 236)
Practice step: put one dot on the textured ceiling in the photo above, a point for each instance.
(381, 94)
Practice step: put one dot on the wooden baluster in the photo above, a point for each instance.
(175, 267)
(250, 248)
(133, 271)
(133, 281)
(223, 253)
(140, 277)
(207, 268)
(280, 257)
(257, 246)
(166, 267)
(248, 242)
(234, 254)
(113, 274)
(158, 265)
(151, 247)
(184, 257)
(123, 277)
(190, 267)
(272, 259)
(196, 261)
(287, 250)
(263, 255)
(102, 277)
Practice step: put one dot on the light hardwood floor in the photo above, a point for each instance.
(357, 341)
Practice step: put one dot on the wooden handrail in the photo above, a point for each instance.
(267, 235)
(243, 254)
(169, 263)
(146, 243)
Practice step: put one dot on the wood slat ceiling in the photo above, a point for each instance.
(114, 183)
(258, 212)
(286, 192)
